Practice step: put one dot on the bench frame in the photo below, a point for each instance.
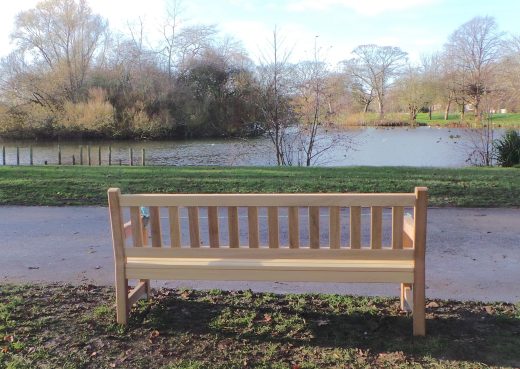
(403, 262)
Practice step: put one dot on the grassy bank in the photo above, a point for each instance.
(73, 327)
(73, 185)
(509, 120)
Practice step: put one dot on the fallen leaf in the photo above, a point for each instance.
(267, 318)
(489, 309)
(5, 350)
(9, 338)
(153, 335)
(185, 295)
(432, 304)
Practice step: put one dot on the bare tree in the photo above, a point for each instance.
(313, 104)
(413, 91)
(474, 48)
(508, 76)
(277, 113)
(63, 36)
(373, 70)
(170, 31)
(431, 72)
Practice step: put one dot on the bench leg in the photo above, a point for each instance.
(406, 297)
(121, 298)
(419, 315)
(147, 287)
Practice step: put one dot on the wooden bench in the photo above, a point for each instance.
(202, 256)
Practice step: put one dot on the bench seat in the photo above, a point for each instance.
(288, 270)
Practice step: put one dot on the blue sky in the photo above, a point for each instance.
(416, 26)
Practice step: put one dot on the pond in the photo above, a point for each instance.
(422, 147)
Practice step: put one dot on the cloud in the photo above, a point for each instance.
(364, 7)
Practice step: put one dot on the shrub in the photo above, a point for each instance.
(94, 117)
(508, 149)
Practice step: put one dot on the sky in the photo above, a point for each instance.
(336, 27)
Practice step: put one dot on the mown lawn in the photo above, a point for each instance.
(511, 120)
(63, 326)
(74, 185)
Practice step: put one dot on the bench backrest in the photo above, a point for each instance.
(408, 235)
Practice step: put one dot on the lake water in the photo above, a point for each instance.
(422, 146)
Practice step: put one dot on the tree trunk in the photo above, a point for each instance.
(430, 112)
(412, 110)
(447, 111)
(477, 111)
(381, 110)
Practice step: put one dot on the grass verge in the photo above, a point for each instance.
(62, 326)
(73, 185)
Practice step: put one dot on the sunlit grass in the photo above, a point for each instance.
(74, 185)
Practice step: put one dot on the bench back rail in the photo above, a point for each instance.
(315, 207)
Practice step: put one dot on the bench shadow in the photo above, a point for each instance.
(473, 332)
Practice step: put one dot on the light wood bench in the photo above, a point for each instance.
(402, 260)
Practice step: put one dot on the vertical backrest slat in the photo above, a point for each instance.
(376, 226)
(355, 227)
(234, 240)
(272, 219)
(408, 231)
(155, 226)
(175, 227)
(334, 227)
(252, 222)
(397, 227)
(294, 227)
(137, 226)
(193, 219)
(214, 240)
(314, 227)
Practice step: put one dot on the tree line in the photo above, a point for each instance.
(69, 76)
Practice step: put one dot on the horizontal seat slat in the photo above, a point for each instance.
(268, 253)
(256, 263)
(266, 200)
(266, 274)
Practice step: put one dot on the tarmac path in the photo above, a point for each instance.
(472, 254)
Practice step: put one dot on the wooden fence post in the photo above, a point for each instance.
(109, 155)
(142, 158)
(88, 152)
(131, 156)
(31, 155)
(3, 155)
(17, 155)
(99, 155)
(73, 160)
(59, 155)
(81, 155)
